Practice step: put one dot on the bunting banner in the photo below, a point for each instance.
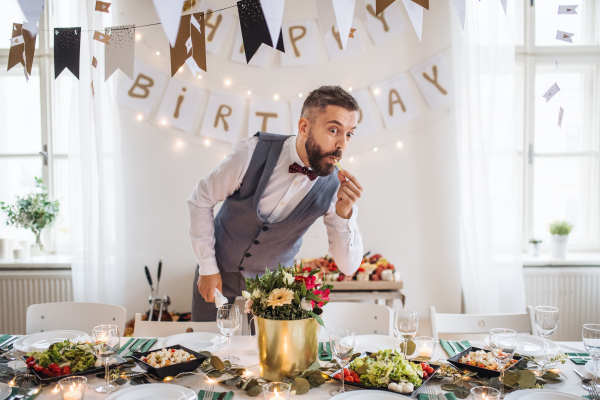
(273, 12)
(395, 101)
(119, 53)
(415, 14)
(169, 14)
(425, 3)
(381, 5)
(21, 50)
(32, 9)
(267, 116)
(223, 117)
(190, 45)
(335, 48)
(434, 80)
(261, 58)
(301, 39)
(254, 28)
(142, 93)
(459, 7)
(102, 37)
(102, 6)
(385, 25)
(217, 26)
(344, 13)
(67, 42)
(180, 104)
(326, 16)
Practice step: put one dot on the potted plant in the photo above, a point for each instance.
(33, 211)
(534, 247)
(559, 235)
(286, 304)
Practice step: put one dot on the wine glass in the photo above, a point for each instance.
(342, 341)
(106, 341)
(591, 341)
(228, 321)
(253, 334)
(406, 324)
(503, 343)
(546, 320)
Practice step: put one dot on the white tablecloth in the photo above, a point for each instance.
(242, 348)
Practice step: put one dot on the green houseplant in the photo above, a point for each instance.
(559, 236)
(34, 211)
(534, 247)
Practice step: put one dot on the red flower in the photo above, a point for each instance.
(323, 294)
(306, 269)
(309, 281)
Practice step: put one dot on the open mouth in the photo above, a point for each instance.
(333, 159)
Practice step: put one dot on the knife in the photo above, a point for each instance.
(124, 350)
(222, 396)
(441, 396)
(453, 348)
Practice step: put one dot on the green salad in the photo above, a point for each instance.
(385, 367)
(78, 356)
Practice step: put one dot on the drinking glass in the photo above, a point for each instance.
(342, 341)
(546, 320)
(591, 341)
(228, 321)
(106, 341)
(503, 343)
(406, 324)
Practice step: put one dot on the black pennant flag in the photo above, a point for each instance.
(67, 43)
(254, 28)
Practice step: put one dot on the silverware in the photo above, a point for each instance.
(23, 390)
(441, 396)
(221, 396)
(453, 348)
(593, 393)
(324, 352)
(7, 343)
(585, 382)
(208, 393)
(124, 351)
(430, 393)
(139, 348)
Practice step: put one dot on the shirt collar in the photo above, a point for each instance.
(294, 152)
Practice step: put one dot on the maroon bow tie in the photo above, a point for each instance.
(295, 168)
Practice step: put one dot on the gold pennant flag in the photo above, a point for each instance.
(92, 88)
(15, 55)
(422, 3)
(102, 6)
(381, 5)
(102, 37)
(190, 45)
(94, 62)
(351, 35)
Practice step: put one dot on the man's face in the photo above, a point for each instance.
(328, 137)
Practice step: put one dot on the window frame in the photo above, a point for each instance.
(528, 57)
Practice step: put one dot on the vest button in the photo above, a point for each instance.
(256, 242)
(265, 228)
(248, 254)
(241, 268)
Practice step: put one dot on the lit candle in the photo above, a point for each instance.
(74, 393)
(276, 397)
(425, 351)
(103, 338)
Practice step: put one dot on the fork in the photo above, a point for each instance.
(139, 348)
(23, 390)
(593, 393)
(430, 393)
(208, 393)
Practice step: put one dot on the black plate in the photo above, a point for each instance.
(170, 370)
(96, 370)
(481, 372)
(360, 385)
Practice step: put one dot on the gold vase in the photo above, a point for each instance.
(286, 348)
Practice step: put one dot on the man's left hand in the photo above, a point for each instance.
(350, 190)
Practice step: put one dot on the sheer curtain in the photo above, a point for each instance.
(488, 146)
(93, 165)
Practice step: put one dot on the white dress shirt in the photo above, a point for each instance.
(283, 193)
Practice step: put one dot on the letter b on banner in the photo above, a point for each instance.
(142, 93)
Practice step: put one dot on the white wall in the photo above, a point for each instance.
(408, 211)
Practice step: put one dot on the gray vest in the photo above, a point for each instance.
(243, 240)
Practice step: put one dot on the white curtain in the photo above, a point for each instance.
(94, 168)
(489, 162)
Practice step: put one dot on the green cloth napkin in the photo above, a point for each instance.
(228, 396)
(15, 390)
(575, 357)
(460, 346)
(4, 338)
(123, 347)
(328, 348)
(425, 396)
(147, 346)
(132, 347)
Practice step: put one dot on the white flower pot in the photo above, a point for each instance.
(558, 245)
(534, 249)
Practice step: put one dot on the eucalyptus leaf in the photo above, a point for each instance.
(214, 374)
(511, 378)
(526, 379)
(314, 366)
(206, 354)
(411, 347)
(448, 387)
(254, 391)
(233, 381)
(301, 386)
(316, 379)
(217, 363)
(226, 364)
(461, 392)
(495, 383)
(550, 376)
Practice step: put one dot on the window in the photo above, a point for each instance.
(33, 138)
(561, 166)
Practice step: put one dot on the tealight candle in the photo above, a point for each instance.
(485, 393)
(276, 391)
(425, 351)
(425, 346)
(73, 388)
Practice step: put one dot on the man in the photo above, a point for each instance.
(274, 187)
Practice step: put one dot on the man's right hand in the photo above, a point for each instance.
(207, 284)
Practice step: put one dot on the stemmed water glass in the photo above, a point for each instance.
(546, 321)
(342, 341)
(106, 342)
(406, 324)
(228, 321)
(591, 341)
(503, 343)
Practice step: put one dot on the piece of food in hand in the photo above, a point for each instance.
(337, 164)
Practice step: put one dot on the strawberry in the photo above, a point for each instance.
(349, 379)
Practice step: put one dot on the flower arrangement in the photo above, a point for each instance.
(288, 293)
(34, 211)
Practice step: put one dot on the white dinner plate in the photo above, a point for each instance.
(374, 343)
(366, 395)
(5, 391)
(43, 340)
(540, 394)
(156, 391)
(589, 367)
(528, 345)
(197, 341)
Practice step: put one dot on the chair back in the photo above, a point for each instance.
(73, 316)
(364, 318)
(163, 328)
(481, 323)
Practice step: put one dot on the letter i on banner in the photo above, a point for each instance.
(180, 104)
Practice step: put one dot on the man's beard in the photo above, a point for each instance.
(319, 159)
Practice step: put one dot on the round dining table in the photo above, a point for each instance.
(241, 347)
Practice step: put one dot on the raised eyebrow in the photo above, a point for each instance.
(333, 121)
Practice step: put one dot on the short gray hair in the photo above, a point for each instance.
(324, 96)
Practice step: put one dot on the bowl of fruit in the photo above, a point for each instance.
(373, 268)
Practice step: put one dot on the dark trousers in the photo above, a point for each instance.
(233, 284)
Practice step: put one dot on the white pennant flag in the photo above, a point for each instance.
(169, 14)
(196, 24)
(326, 16)
(551, 92)
(504, 5)
(564, 36)
(415, 13)
(344, 12)
(567, 9)
(273, 13)
(561, 112)
(360, 10)
(459, 7)
(32, 9)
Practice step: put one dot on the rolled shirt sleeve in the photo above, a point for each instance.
(345, 240)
